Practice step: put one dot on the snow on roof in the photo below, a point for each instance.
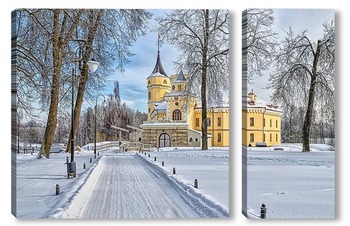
(161, 106)
(165, 124)
(225, 104)
(175, 93)
(259, 103)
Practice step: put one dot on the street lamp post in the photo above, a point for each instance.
(104, 102)
(71, 166)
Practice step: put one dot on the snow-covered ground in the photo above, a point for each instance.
(210, 168)
(37, 178)
(292, 184)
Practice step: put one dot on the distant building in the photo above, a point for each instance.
(261, 122)
(174, 116)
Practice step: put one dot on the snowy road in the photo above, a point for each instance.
(123, 186)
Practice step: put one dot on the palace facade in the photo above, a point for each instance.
(261, 122)
(175, 116)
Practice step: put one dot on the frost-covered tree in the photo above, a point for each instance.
(202, 38)
(50, 42)
(259, 41)
(305, 73)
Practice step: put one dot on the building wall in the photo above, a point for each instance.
(218, 127)
(178, 136)
(157, 87)
(253, 128)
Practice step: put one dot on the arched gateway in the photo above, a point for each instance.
(164, 140)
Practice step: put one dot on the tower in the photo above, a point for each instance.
(158, 84)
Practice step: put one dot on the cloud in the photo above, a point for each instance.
(133, 82)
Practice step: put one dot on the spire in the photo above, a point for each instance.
(158, 68)
(180, 76)
(158, 41)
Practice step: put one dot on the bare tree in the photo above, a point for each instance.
(47, 43)
(202, 37)
(42, 40)
(259, 41)
(107, 37)
(305, 73)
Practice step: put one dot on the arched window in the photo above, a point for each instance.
(177, 114)
(164, 82)
(149, 95)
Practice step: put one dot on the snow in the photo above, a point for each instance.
(259, 103)
(210, 168)
(36, 181)
(291, 183)
(143, 189)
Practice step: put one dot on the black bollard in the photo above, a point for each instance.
(162, 163)
(263, 211)
(149, 155)
(67, 160)
(195, 183)
(84, 165)
(155, 158)
(57, 189)
(174, 171)
(90, 160)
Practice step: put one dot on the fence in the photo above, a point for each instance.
(136, 146)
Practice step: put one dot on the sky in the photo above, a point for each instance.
(132, 83)
(299, 20)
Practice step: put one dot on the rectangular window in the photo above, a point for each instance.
(252, 137)
(270, 122)
(276, 137)
(276, 124)
(264, 137)
(219, 121)
(219, 137)
(197, 122)
(208, 121)
(251, 121)
(270, 137)
(264, 123)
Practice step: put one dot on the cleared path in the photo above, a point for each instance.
(123, 186)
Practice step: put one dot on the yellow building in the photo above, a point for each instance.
(174, 116)
(261, 122)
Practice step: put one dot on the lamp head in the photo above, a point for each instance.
(93, 65)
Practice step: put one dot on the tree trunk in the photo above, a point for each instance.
(57, 61)
(310, 105)
(204, 82)
(84, 73)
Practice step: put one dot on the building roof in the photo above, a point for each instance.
(161, 106)
(158, 68)
(225, 103)
(180, 77)
(258, 103)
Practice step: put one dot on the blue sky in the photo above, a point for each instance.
(299, 20)
(132, 83)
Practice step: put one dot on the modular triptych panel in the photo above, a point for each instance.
(288, 113)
